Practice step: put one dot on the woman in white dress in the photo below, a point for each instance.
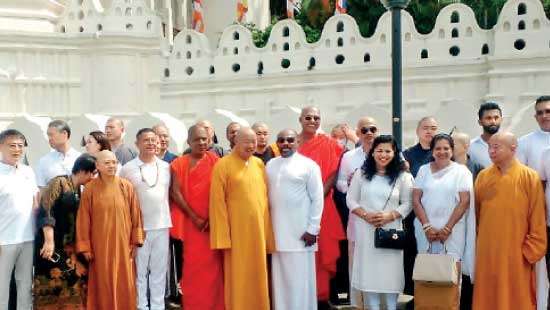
(380, 194)
(442, 197)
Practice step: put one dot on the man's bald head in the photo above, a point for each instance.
(114, 128)
(245, 142)
(106, 163)
(209, 129)
(257, 125)
(462, 143)
(262, 135)
(460, 137)
(502, 148)
(231, 131)
(310, 119)
(197, 138)
(194, 131)
(366, 121)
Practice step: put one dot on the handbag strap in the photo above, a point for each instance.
(389, 195)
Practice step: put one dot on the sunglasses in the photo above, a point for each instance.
(542, 112)
(286, 139)
(372, 129)
(315, 118)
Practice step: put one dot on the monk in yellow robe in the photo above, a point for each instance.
(108, 230)
(511, 230)
(240, 224)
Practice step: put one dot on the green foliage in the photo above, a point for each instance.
(425, 13)
(366, 14)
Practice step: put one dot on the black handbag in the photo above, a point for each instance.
(389, 238)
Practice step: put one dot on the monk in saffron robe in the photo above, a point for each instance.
(240, 224)
(202, 281)
(108, 230)
(326, 152)
(511, 230)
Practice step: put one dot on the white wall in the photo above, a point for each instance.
(129, 71)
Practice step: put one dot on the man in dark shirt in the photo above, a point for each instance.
(264, 151)
(416, 156)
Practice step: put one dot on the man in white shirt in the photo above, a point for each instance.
(296, 200)
(61, 159)
(18, 199)
(490, 119)
(367, 130)
(531, 152)
(150, 177)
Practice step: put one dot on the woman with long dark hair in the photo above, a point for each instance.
(380, 194)
(442, 197)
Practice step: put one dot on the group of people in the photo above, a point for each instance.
(262, 225)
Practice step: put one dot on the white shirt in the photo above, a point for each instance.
(479, 152)
(152, 184)
(55, 164)
(296, 201)
(351, 162)
(17, 191)
(545, 176)
(530, 148)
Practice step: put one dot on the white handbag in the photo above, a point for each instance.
(438, 269)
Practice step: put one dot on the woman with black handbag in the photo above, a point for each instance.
(380, 194)
(60, 277)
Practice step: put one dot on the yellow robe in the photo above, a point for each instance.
(241, 226)
(108, 224)
(511, 237)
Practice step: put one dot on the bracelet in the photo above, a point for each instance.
(426, 227)
(447, 229)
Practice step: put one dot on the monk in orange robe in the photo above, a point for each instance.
(326, 152)
(240, 224)
(511, 230)
(108, 230)
(202, 281)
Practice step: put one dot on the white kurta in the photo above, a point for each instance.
(378, 270)
(296, 205)
(440, 196)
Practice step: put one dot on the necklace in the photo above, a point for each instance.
(143, 177)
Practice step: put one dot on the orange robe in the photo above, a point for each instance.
(202, 280)
(326, 152)
(511, 237)
(108, 224)
(240, 225)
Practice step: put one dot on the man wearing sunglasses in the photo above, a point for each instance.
(326, 152)
(296, 202)
(531, 150)
(367, 130)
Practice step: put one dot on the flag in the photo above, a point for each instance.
(242, 8)
(341, 7)
(198, 21)
(291, 7)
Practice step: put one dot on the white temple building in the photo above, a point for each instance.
(72, 58)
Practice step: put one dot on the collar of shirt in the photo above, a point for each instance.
(7, 169)
(70, 153)
(140, 163)
(478, 139)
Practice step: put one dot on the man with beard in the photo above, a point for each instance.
(296, 202)
(490, 118)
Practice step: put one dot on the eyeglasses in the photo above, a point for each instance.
(286, 139)
(543, 111)
(315, 118)
(372, 129)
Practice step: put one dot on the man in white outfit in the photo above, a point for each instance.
(296, 200)
(150, 176)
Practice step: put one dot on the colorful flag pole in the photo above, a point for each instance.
(242, 8)
(198, 21)
(292, 6)
(341, 7)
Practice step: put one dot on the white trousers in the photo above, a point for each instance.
(18, 256)
(294, 283)
(355, 296)
(151, 264)
(374, 301)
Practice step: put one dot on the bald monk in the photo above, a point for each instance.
(212, 139)
(202, 281)
(511, 229)
(326, 152)
(240, 224)
(264, 150)
(108, 230)
(114, 130)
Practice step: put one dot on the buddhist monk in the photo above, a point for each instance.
(109, 228)
(202, 281)
(240, 224)
(326, 152)
(511, 229)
